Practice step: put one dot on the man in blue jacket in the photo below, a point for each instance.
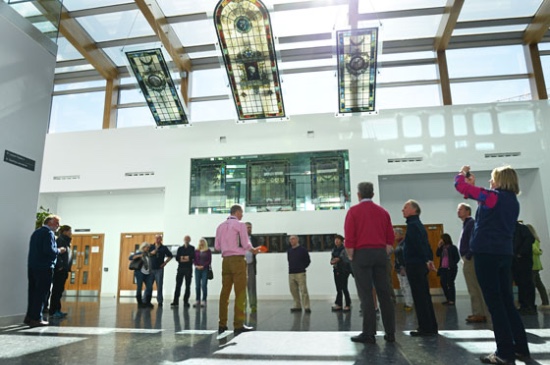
(43, 253)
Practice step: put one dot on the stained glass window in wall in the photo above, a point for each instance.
(268, 185)
(357, 52)
(157, 86)
(276, 182)
(248, 51)
(328, 183)
(208, 186)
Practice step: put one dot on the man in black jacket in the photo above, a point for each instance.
(522, 267)
(61, 271)
(418, 263)
(43, 253)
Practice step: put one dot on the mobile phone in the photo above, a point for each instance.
(468, 175)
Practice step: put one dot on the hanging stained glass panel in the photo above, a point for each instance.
(357, 52)
(155, 82)
(248, 51)
(328, 185)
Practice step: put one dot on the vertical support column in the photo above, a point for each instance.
(536, 75)
(112, 92)
(443, 73)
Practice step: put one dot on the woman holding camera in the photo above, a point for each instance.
(492, 247)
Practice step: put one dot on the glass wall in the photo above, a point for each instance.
(271, 183)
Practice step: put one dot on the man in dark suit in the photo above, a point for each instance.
(42, 257)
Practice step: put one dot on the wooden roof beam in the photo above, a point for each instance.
(539, 25)
(82, 41)
(448, 24)
(157, 20)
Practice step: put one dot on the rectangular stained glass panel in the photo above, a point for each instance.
(356, 53)
(157, 86)
(268, 184)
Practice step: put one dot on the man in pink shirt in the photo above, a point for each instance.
(232, 241)
(369, 240)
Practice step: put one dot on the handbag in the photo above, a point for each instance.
(210, 274)
(136, 264)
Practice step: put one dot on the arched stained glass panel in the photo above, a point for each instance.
(246, 40)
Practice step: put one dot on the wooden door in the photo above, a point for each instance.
(434, 235)
(86, 265)
(129, 243)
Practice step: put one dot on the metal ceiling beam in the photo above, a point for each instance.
(157, 20)
(103, 10)
(539, 26)
(447, 24)
(493, 22)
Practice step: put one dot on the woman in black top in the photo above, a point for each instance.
(341, 269)
(448, 267)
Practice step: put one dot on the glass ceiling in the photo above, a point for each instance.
(304, 30)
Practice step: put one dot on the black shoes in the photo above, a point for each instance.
(222, 329)
(295, 310)
(494, 359)
(362, 338)
(238, 331)
(422, 333)
(529, 311)
(174, 304)
(307, 310)
(389, 337)
(186, 305)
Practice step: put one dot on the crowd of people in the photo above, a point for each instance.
(495, 250)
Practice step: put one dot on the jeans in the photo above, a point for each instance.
(158, 277)
(148, 280)
(201, 283)
(341, 282)
(447, 278)
(494, 273)
(187, 273)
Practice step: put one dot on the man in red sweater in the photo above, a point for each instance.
(369, 239)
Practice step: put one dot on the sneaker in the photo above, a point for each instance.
(197, 305)
(336, 308)
(494, 359)
(59, 314)
(347, 308)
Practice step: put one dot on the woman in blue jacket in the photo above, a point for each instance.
(492, 247)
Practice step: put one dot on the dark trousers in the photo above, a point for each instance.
(447, 278)
(522, 271)
(341, 281)
(420, 290)
(540, 287)
(40, 281)
(58, 287)
(494, 277)
(370, 270)
(187, 273)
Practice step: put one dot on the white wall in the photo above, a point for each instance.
(26, 84)
(444, 137)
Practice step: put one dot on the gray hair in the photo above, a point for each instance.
(415, 205)
(366, 190)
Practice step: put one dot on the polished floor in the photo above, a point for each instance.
(107, 331)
